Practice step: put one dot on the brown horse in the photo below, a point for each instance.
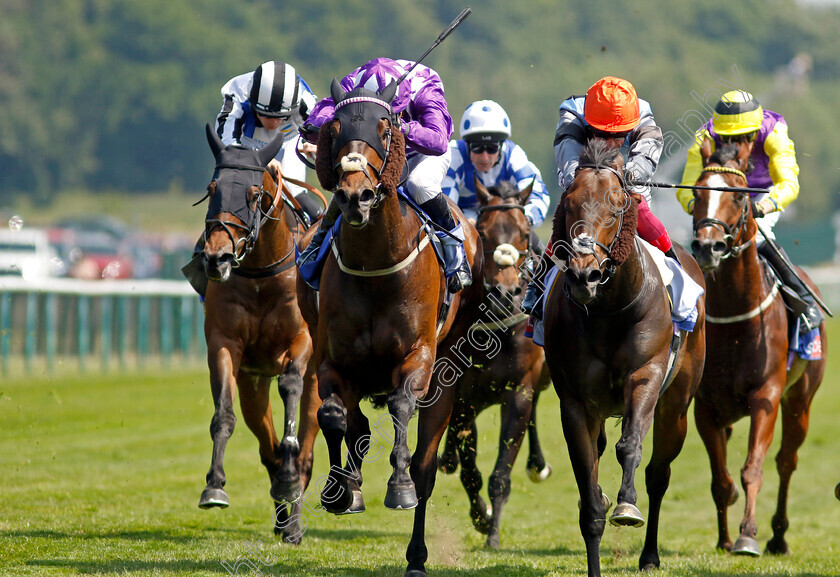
(608, 334)
(512, 372)
(378, 329)
(746, 370)
(253, 326)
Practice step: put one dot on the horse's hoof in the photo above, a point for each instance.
(777, 547)
(733, 498)
(606, 501)
(627, 515)
(447, 466)
(539, 476)
(481, 516)
(746, 546)
(401, 496)
(285, 491)
(492, 541)
(213, 497)
(358, 505)
(293, 539)
(338, 504)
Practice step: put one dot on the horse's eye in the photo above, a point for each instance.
(739, 197)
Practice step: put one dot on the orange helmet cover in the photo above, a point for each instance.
(611, 105)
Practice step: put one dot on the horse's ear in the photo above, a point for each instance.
(271, 149)
(336, 91)
(214, 141)
(525, 194)
(744, 153)
(706, 150)
(481, 192)
(387, 94)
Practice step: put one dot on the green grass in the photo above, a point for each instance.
(101, 476)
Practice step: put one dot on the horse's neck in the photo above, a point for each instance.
(737, 285)
(626, 283)
(384, 241)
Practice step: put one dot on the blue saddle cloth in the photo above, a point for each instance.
(311, 271)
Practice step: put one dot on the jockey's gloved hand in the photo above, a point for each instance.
(309, 132)
(762, 207)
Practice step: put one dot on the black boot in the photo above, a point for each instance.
(456, 267)
(310, 253)
(536, 288)
(673, 254)
(813, 316)
(311, 207)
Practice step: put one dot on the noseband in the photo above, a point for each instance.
(731, 233)
(528, 254)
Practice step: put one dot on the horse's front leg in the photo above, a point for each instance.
(434, 417)
(764, 407)
(286, 483)
(222, 362)
(583, 433)
(640, 405)
(358, 444)
(538, 468)
(336, 496)
(467, 433)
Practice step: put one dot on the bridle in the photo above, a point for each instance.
(529, 255)
(243, 246)
(731, 233)
(588, 244)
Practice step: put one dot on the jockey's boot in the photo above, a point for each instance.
(456, 267)
(310, 253)
(536, 287)
(311, 208)
(673, 254)
(813, 316)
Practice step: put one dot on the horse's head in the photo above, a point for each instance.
(242, 194)
(361, 152)
(595, 224)
(505, 233)
(722, 220)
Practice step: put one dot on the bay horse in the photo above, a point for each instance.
(746, 372)
(253, 326)
(381, 292)
(511, 373)
(608, 334)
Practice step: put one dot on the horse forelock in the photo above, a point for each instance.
(597, 153)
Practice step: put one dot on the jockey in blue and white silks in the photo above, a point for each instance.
(259, 105)
(486, 150)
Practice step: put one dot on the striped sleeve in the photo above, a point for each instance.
(525, 172)
(455, 175)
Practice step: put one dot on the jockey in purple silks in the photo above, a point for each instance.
(427, 126)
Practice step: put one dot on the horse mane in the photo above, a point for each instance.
(597, 154)
(728, 152)
(390, 177)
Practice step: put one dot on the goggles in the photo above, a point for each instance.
(488, 147)
(603, 134)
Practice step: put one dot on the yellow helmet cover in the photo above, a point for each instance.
(737, 112)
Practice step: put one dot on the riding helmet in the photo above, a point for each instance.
(611, 105)
(485, 121)
(737, 112)
(275, 89)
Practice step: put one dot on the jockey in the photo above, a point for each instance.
(610, 111)
(259, 105)
(737, 117)
(486, 151)
(427, 126)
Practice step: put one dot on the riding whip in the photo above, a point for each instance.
(791, 268)
(697, 187)
(441, 37)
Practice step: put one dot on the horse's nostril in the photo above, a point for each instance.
(517, 291)
(594, 276)
(695, 246)
(719, 247)
(367, 196)
(341, 196)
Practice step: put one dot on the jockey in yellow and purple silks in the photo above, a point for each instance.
(738, 116)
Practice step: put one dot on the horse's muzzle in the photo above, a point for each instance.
(218, 266)
(708, 252)
(581, 284)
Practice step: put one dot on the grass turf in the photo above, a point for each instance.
(101, 476)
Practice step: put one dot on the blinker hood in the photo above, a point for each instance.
(359, 112)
